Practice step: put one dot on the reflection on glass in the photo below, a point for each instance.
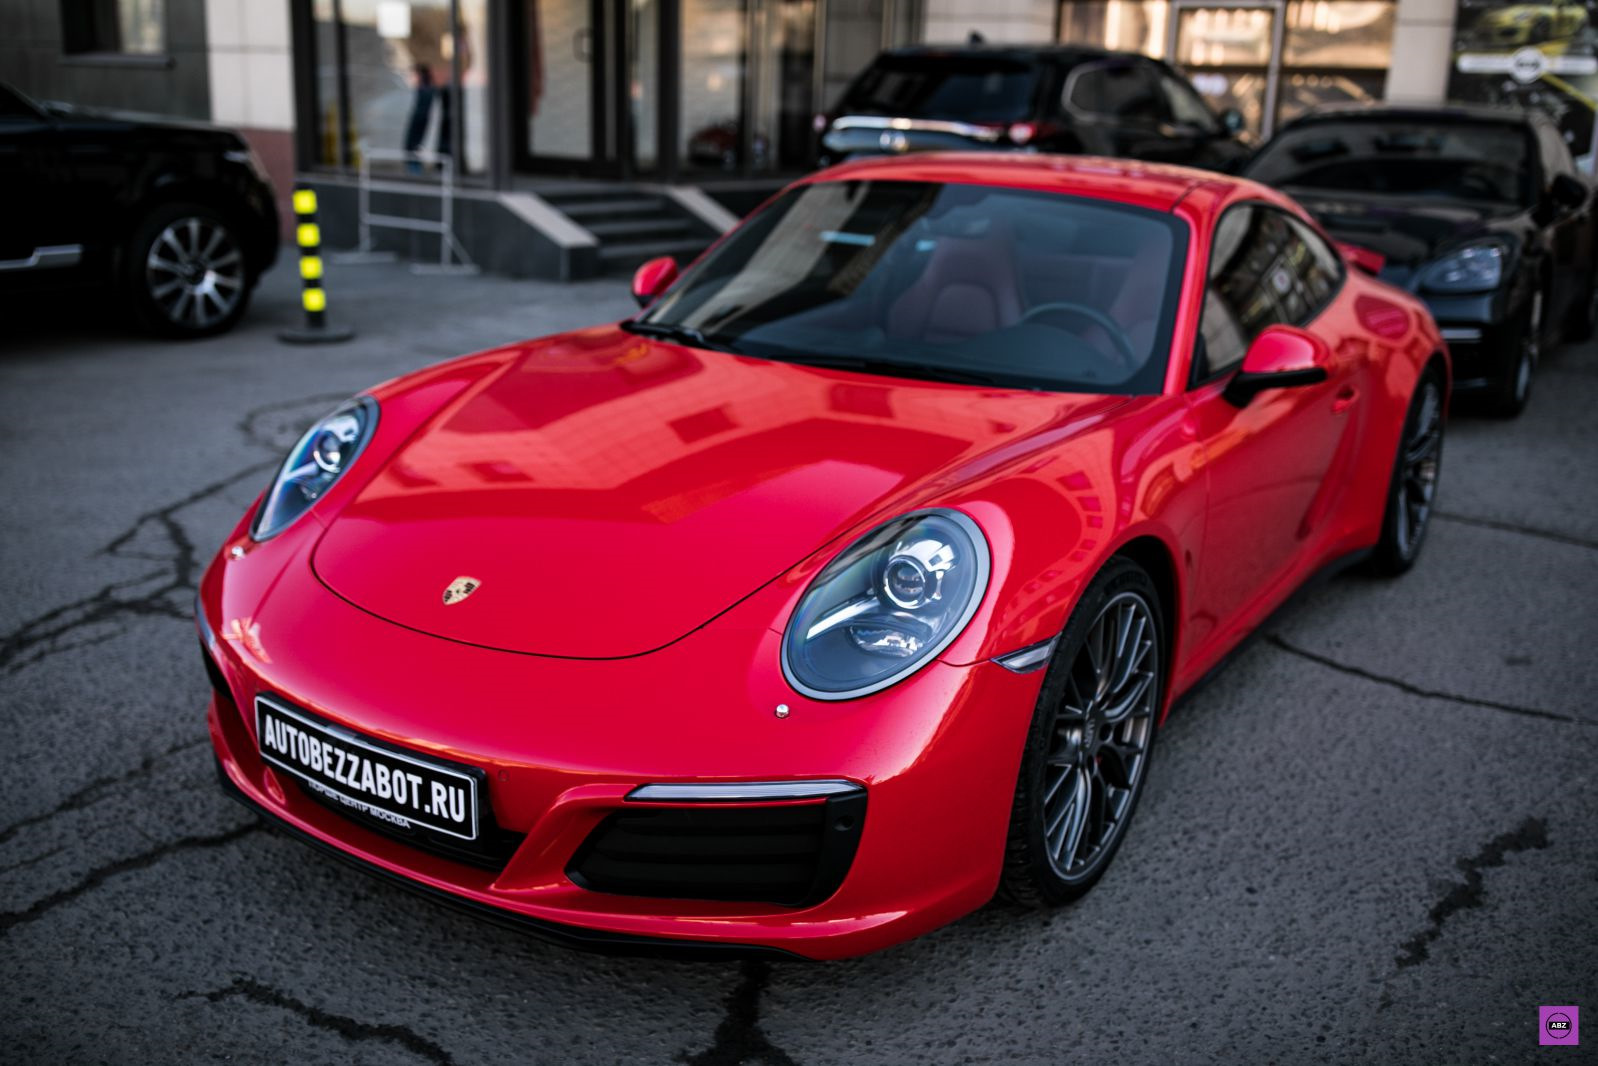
(786, 63)
(1301, 92)
(645, 81)
(560, 51)
(473, 30)
(1224, 37)
(1123, 25)
(1339, 33)
(327, 100)
(400, 56)
(713, 50)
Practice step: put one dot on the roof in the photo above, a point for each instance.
(1069, 52)
(1157, 186)
(1379, 112)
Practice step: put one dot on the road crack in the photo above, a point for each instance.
(349, 1028)
(1511, 527)
(1530, 834)
(101, 874)
(96, 790)
(1278, 641)
(739, 1038)
(157, 537)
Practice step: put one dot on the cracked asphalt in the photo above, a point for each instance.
(1370, 839)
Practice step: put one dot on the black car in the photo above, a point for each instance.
(1053, 99)
(1480, 211)
(177, 218)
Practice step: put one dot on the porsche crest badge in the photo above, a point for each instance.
(459, 589)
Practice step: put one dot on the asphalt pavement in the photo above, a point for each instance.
(1371, 839)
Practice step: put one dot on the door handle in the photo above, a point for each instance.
(1346, 397)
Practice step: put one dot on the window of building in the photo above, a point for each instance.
(130, 27)
(1331, 50)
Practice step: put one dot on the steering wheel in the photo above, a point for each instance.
(1113, 329)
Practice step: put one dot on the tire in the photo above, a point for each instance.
(1412, 489)
(1060, 839)
(1522, 353)
(184, 271)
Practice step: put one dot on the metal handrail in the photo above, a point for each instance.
(452, 257)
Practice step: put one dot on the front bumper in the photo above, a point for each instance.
(1479, 329)
(562, 743)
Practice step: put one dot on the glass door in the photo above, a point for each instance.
(561, 123)
(1232, 53)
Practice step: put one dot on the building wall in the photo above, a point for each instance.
(250, 73)
(1000, 21)
(1422, 51)
(176, 83)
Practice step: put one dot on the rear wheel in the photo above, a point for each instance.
(185, 271)
(1088, 747)
(1414, 483)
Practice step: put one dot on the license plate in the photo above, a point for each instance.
(404, 790)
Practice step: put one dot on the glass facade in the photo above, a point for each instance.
(1269, 59)
(402, 76)
(588, 88)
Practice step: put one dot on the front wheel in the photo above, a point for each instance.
(186, 274)
(1092, 732)
(1414, 482)
(1524, 352)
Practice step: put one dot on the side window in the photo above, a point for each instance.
(1187, 108)
(1118, 90)
(1265, 268)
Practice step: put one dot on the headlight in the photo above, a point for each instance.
(1476, 268)
(319, 459)
(885, 606)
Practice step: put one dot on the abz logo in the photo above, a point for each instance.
(1558, 1025)
(459, 589)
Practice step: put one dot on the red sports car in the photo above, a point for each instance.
(845, 585)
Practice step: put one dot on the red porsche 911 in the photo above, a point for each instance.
(844, 586)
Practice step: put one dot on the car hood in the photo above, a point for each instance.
(608, 494)
(1407, 230)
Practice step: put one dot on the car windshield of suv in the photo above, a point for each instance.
(1483, 161)
(953, 88)
(964, 283)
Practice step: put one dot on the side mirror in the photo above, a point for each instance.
(1371, 262)
(1281, 357)
(1567, 193)
(1232, 121)
(653, 278)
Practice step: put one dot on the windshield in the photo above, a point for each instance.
(953, 88)
(1486, 161)
(953, 282)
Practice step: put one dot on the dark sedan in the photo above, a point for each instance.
(177, 218)
(1051, 99)
(1478, 210)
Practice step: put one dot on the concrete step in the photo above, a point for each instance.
(589, 207)
(621, 229)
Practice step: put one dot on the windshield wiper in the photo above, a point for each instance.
(892, 368)
(671, 331)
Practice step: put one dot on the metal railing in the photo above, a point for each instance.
(452, 257)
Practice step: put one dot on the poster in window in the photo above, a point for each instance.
(1541, 54)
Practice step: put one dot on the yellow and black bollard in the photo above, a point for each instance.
(313, 297)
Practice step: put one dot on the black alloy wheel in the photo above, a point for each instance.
(1092, 733)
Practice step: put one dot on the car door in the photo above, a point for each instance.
(1115, 106)
(35, 214)
(1271, 463)
(1570, 228)
(1195, 136)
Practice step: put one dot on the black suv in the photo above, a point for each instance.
(1056, 99)
(177, 217)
